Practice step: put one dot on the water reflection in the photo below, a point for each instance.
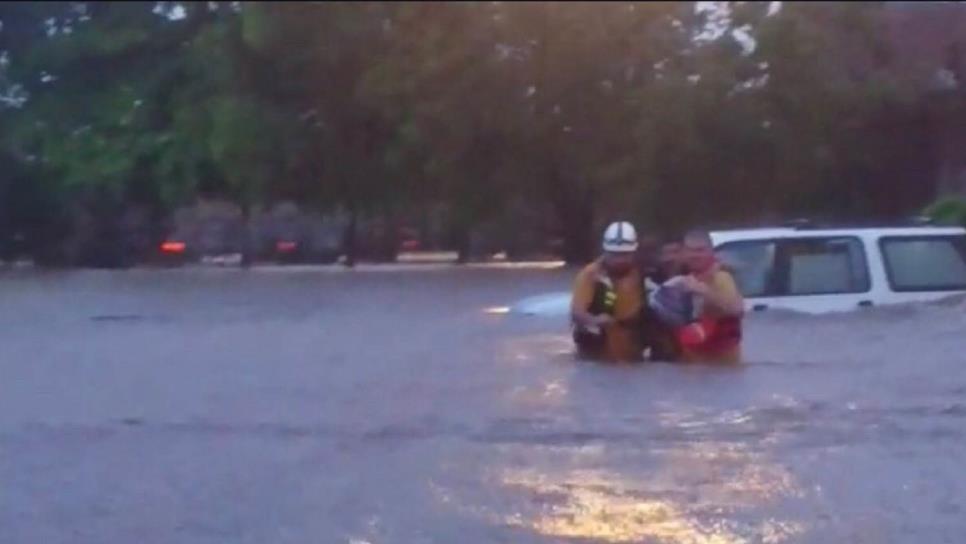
(548, 394)
(685, 483)
(727, 475)
(670, 472)
(690, 499)
(539, 349)
(605, 509)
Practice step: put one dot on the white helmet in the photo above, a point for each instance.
(620, 237)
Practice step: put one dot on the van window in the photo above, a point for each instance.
(824, 266)
(753, 265)
(925, 263)
(797, 266)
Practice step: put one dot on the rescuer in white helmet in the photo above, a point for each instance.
(608, 298)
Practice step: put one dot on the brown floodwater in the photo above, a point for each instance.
(392, 406)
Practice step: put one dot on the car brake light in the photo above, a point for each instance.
(173, 247)
(286, 247)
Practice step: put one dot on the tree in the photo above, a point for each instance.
(668, 114)
(99, 119)
(323, 53)
(585, 64)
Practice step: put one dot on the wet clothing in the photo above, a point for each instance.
(723, 341)
(672, 304)
(669, 308)
(659, 337)
(622, 298)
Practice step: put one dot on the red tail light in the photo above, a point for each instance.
(286, 247)
(173, 247)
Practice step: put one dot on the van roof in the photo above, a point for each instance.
(787, 232)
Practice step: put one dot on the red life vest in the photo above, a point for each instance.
(725, 335)
(711, 334)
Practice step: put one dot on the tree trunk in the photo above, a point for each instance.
(578, 244)
(246, 241)
(463, 245)
(349, 240)
(575, 215)
(389, 244)
(577, 220)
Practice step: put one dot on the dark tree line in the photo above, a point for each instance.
(574, 113)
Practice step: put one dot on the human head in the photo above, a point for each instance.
(670, 258)
(620, 248)
(698, 251)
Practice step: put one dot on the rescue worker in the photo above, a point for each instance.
(608, 300)
(715, 336)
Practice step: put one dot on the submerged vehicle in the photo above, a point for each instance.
(814, 269)
(818, 270)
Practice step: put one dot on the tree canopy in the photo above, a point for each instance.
(667, 114)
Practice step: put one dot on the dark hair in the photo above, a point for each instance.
(699, 234)
(672, 238)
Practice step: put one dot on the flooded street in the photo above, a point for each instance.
(384, 406)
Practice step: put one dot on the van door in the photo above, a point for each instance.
(813, 274)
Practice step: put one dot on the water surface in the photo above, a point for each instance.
(305, 406)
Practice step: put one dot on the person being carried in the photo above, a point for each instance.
(715, 335)
(669, 306)
(607, 301)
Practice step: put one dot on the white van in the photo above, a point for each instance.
(819, 270)
(814, 270)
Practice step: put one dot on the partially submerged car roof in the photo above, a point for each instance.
(766, 233)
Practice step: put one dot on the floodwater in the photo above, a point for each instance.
(380, 406)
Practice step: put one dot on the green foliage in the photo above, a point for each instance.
(948, 211)
(585, 111)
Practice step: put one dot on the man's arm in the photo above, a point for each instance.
(581, 300)
(724, 295)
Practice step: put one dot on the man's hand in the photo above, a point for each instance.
(722, 294)
(603, 320)
(695, 286)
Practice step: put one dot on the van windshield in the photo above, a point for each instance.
(925, 263)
